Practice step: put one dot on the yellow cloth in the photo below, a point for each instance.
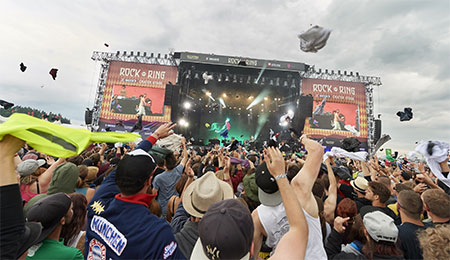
(57, 140)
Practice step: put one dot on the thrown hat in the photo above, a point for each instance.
(360, 184)
(342, 171)
(406, 115)
(49, 211)
(314, 39)
(380, 227)
(268, 192)
(225, 232)
(135, 168)
(250, 187)
(30, 237)
(203, 192)
(159, 154)
(29, 166)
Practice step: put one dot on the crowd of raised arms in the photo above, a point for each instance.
(139, 201)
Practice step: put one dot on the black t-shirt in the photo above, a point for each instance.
(407, 233)
(361, 202)
(385, 210)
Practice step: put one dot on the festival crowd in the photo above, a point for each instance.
(139, 201)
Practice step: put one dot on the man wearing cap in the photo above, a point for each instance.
(226, 230)
(360, 185)
(16, 234)
(381, 236)
(197, 198)
(52, 212)
(120, 224)
(270, 217)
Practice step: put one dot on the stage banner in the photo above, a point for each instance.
(133, 89)
(339, 110)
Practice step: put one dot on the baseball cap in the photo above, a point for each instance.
(135, 168)
(30, 237)
(225, 232)
(49, 211)
(360, 184)
(380, 227)
(29, 166)
(268, 192)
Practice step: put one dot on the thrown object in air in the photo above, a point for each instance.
(351, 144)
(406, 115)
(53, 72)
(23, 67)
(107, 45)
(314, 39)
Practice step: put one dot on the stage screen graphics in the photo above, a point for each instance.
(339, 110)
(135, 88)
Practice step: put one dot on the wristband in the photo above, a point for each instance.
(280, 176)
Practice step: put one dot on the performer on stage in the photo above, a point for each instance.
(141, 109)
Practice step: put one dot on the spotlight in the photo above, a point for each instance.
(196, 76)
(284, 123)
(183, 122)
(251, 97)
(224, 95)
(249, 79)
(187, 105)
(227, 78)
(208, 93)
(285, 84)
(234, 79)
(266, 98)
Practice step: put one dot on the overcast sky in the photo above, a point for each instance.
(406, 43)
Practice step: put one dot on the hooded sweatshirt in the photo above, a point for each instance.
(64, 179)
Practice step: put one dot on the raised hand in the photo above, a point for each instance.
(164, 130)
(274, 161)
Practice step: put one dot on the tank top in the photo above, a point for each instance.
(275, 223)
(26, 193)
(314, 248)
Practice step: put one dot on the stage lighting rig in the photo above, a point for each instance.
(187, 105)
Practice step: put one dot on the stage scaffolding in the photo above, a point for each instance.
(369, 82)
(105, 58)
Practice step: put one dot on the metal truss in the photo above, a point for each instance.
(137, 57)
(369, 82)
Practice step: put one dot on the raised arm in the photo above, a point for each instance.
(304, 180)
(298, 230)
(185, 153)
(330, 202)
(12, 224)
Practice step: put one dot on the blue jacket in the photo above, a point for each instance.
(126, 229)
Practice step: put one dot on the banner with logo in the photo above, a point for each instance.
(339, 110)
(133, 89)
